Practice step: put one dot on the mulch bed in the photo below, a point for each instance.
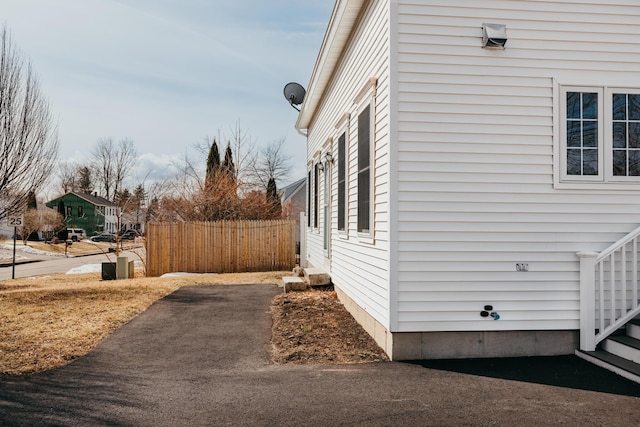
(312, 326)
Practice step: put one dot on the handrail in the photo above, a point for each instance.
(617, 245)
(609, 289)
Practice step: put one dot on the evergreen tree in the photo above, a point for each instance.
(32, 204)
(273, 201)
(85, 184)
(152, 210)
(62, 210)
(227, 166)
(213, 163)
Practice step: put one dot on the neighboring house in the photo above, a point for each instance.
(43, 234)
(89, 211)
(465, 179)
(132, 221)
(292, 198)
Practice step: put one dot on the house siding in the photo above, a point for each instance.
(474, 167)
(359, 266)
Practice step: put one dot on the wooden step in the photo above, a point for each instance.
(623, 346)
(613, 363)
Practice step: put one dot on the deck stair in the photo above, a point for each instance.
(619, 353)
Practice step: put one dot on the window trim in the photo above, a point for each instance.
(316, 184)
(563, 134)
(365, 234)
(605, 177)
(343, 133)
(327, 196)
(309, 182)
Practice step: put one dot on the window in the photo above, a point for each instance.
(582, 133)
(69, 211)
(600, 134)
(342, 182)
(316, 176)
(626, 134)
(364, 170)
(80, 211)
(309, 199)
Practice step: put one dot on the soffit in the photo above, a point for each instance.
(343, 19)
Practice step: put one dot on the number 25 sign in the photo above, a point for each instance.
(15, 221)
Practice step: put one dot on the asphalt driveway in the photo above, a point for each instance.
(200, 357)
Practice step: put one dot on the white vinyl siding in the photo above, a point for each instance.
(477, 185)
(359, 264)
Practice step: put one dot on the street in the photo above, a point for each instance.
(46, 264)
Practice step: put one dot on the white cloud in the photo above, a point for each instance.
(166, 73)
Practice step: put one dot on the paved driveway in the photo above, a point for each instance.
(199, 357)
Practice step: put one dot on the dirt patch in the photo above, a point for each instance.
(314, 327)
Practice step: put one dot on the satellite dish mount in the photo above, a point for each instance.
(294, 93)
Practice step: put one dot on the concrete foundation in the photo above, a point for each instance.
(465, 344)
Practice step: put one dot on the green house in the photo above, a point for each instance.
(93, 213)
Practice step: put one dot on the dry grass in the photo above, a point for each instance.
(47, 321)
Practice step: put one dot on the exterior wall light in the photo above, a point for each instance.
(494, 35)
(328, 157)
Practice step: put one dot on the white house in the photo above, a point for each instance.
(449, 180)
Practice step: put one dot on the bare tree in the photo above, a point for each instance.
(47, 221)
(113, 164)
(273, 163)
(125, 159)
(103, 154)
(244, 151)
(67, 174)
(28, 136)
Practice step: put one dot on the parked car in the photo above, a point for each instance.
(129, 234)
(104, 237)
(76, 234)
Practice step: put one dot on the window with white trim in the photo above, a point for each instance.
(364, 170)
(309, 181)
(600, 134)
(342, 182)
(316, 179)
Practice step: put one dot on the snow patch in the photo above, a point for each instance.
(183, 274)
(96, 268)
(29, 250)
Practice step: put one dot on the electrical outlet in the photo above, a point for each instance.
(522, 267)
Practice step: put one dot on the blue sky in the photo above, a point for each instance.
(167, 73)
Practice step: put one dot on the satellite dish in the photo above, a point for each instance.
(294, 93)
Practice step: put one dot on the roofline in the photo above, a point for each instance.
(83, 197)
(343, 18)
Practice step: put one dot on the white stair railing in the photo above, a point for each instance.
(608, 289)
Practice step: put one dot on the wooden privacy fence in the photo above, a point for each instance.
(220, 247)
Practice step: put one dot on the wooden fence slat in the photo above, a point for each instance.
(220, 247)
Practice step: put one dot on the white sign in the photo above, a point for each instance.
(15, 221)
